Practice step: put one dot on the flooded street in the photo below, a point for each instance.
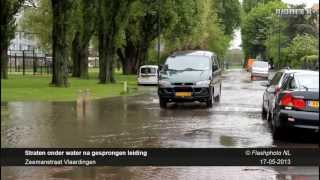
(138, 121)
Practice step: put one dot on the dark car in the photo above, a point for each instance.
(296, 103)
(190, 76)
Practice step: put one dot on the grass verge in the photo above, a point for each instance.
(36, 88)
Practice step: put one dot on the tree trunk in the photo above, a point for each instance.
(105, 58)
(4, 62)
(80, 55)
(75, 55)
(130, 58)
(84, 55)
(59, 37)
(143, 54)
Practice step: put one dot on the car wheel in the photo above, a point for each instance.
(278, 132)
(163, 103)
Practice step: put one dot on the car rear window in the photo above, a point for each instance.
(310, 81)
(148, 71)
(260, 64)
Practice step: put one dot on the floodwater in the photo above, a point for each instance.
(138, 121)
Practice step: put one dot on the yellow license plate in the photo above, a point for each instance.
(314, 104)
(183, 94)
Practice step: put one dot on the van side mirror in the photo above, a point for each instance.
(214, 67)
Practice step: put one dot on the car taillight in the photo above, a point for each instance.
(290, 101)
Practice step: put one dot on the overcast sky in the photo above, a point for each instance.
(237, 38)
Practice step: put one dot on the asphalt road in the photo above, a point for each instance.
(138, 121)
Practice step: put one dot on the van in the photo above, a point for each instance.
(148, 75)
(190, 76)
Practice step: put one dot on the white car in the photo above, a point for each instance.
(260, 69)
(148, 75)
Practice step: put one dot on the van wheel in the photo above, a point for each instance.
(210, 100)
(264, 113)
(163, 103)
(217, 98)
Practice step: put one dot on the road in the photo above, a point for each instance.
(138, 121)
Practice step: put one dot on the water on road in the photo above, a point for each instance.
(138, 121)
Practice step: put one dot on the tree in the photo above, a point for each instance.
(292, 28)
(9, 9)
(39, 21)
(61, 15)
(248, 5)
(198, 27)
(257, 24)
(85, 28)
(228, 12)
(301, 46)
(301, 24)
(112, 18)
(141, 30)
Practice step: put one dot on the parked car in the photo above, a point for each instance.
(190, 76)
(148, 75)
(292, 101)
(260, 69)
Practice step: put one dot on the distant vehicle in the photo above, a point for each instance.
(190, 76)
(291, 100)
(260, 69)
(249, 64)
(148, 75)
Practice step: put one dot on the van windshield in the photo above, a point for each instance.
(188, 63)
(148, 71)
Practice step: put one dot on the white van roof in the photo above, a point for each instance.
(149, 66)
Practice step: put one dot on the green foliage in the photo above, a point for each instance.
(39, 21)
(300, 47)
(257, 24)
(272, 44)
(8, 10)
(197, 27)
(228, 12)
(248, 5)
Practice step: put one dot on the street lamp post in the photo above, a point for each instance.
(159, 32)
(279, 40)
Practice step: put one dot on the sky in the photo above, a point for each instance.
(237, 37)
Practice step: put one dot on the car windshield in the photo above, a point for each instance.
(148, 71)
(310, 81)
(260, 64)
(188, 63)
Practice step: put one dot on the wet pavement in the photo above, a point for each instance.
(138, 121)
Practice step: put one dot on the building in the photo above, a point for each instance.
(315, 9)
